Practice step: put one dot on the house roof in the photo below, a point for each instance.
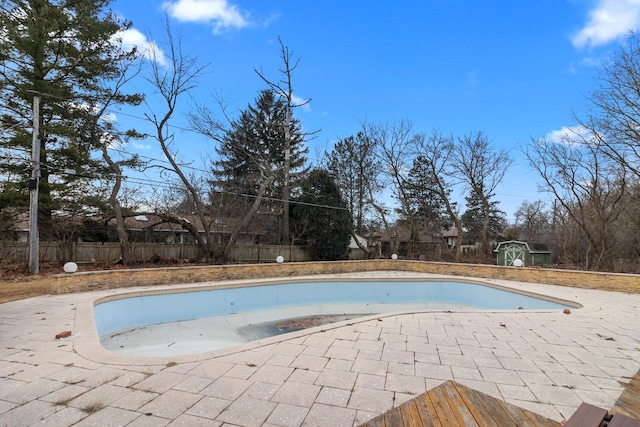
(404, 235)
(532, 247)
(145, 221)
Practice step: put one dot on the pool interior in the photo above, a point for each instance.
(213, 333)
(209, 334)
(246, 315)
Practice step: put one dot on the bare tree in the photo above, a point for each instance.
(172, 82)
(106, 137)
(217, 127)
(284, 88)
(611, 122)
(395, 151)
(354, 168)
(481, 167)
(533, 219)
(437, 152)
(351, 162)
(589, 187)
(613, 117)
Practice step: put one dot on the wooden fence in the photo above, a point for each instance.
(106, 253)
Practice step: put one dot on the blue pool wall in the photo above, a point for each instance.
(129, 312)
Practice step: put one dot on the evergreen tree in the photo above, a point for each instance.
(321, 218)
(473, 219)
(427, 206)
(352, 164)
(252, 152)
(66, 53)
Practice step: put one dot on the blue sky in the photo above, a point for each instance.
(515, 70)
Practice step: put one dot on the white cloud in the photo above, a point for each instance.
(571, 135)
(141, 146)
(109, 118)
(220, 13)
(567, 132)
(133, 38)
(296, 101)
(609, 20)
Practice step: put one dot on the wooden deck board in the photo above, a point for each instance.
(629, 401)
(411, 415)
(393, 417)
(476, 407)
(452, 404)
(457, 403)
(505, 414)
(376, 422)
(428, 414)
(445, 415)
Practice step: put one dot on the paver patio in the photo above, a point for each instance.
(339, 375)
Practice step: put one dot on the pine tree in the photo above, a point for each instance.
(252, 151)
(427, 207)
(66, 53)
(473, 219)
(321, 218)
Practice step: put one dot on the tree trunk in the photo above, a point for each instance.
(117, 209)
(285, 185)
(247, 217)
(360, 245)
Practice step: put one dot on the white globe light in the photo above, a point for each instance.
(70, 267)
(518, 262)
(394, 256)
(279, 259)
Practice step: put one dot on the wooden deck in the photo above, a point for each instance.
(452, 404)
(629, 401)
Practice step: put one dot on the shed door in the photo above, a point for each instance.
(513, 252)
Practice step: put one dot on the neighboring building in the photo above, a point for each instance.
(150, 227)
(355, 251)
(16, 228)
(425, 243)
(522, 254)
(451, 237)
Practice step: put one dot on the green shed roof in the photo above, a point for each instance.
(532, 247)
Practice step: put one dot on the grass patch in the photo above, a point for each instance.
(64, 401)
(93, 407)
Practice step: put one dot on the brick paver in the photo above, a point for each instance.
(338, 375)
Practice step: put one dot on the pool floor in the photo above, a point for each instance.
(203, 335)
(221, 332)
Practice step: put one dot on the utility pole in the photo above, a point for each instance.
(34, 238)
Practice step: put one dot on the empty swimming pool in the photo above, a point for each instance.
(196, 321)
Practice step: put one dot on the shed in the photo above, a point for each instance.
(529, 253)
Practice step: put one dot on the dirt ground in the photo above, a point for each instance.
(17, 283)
